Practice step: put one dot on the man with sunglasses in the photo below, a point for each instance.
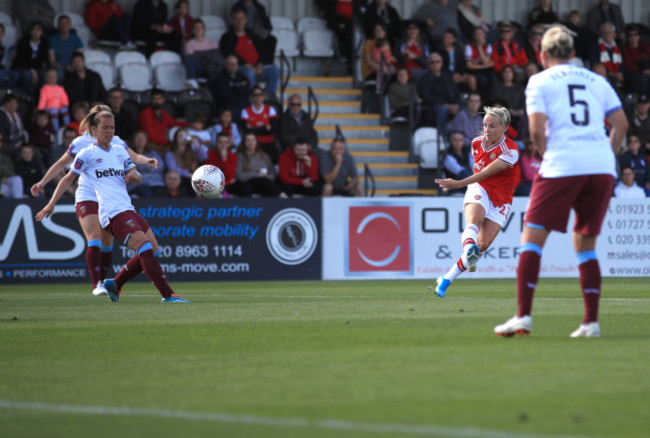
(506, 51)
(296, 123)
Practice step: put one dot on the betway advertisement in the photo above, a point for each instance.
(200, 240)
(421, 238)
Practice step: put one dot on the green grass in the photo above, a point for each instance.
(383, 358)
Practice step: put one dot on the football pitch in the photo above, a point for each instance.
(322, 359)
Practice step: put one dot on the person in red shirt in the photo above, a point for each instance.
(260, 119)
(636, 58)
(490, 189)
(182, 22)
(226, 160)
(108, 22)
(299, 170)
(506, 51)
(155, 121)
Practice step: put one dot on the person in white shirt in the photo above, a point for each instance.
(627, 187)
(567, 106)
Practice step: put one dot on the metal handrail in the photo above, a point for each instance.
(368, 176)
(356, 50)
(311, 97)
(284, 64)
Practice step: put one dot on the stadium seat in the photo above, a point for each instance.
(93, 56)
(135, 76)
(85, 35)
(6, 19)
(129, 56)
(192, 95)
(287, 41)
(164, 57)
(105, 70)
(214, 33)
(311, 23)
(282, 23)
(10, 38)
(170, 77)
(426, 147)
(213, 22)
(318, 43)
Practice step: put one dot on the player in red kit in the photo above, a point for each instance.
(488, 198)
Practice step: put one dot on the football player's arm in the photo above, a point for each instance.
(52, 172)
(132, 176)
(142, 160)
(493, 168)
(537, 127)
(61, 188)
(619, 124)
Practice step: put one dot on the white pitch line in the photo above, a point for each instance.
(329, 424)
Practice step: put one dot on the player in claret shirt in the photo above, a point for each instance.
(109, 169)
(488, 198)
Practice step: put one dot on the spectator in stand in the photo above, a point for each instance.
(182, 22)
(255, 170)
(437, 15)
(260, 24)
(181, 157)
(636, 57)
(512, 94)
(458, 162)
(254, 62)
(454, 60)
(369, 67)
(152, 179)
(530, 69)
(627, 187)
(339, 171)
(124, 118)
(605, 12)
(11, 185)
(295, 123)
(54, 99)
(173, 187)
(79, 112)
(640, 120)
(108, 22)
(226, 160)
(155, 121)
(506, 51)
(298, 169)
(62, 45)
(584, 36)
(149, 24)
(439, 94)
(478, 59)
(379, 11)
(11, 125)
(533, 46)
(469, 18)
(468, 121)
(260, 119)
(232, 88)
(636, 158)
(339, 14)
(201, 137)
(83, 84)
(32, 52)
(229, 128)
(607, 52)
(382, 47)
(195, 50)
(530, 161)
(26, 12)
(29, 168)
(42, 136)
(542, 14)
(12, 78)
(400, 93)
(413, 51)
(69, 134)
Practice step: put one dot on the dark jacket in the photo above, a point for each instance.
(228, 42)
(144, 15)
(392, 22)
(91, 89)
(23, 57)
(289, 130)
(231, 92)
(438, 90)
(459, 59)
(260, 10)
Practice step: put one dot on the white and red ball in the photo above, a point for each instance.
(208, 181)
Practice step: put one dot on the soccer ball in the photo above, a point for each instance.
(208, 181)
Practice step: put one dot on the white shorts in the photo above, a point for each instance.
(476, 194)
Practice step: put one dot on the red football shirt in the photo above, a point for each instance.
(246, 49)
(259, 118)
(500, 186)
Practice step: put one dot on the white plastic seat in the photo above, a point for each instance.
(213, 22)
(6, 19)
(135, 76)
(128, 56)
(10, 37)
(311, 23)
(215, 33)
(318, 43)
(164, 57)
(85, 35)
(105, 70)
(282, 23)
(425, 141)
(287, 41)
(170, 77)
(92, 56)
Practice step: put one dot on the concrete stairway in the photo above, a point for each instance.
(366, 139)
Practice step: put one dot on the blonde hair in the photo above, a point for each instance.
(97, 117)
(502, 114)
(89, 120)
(558, 42)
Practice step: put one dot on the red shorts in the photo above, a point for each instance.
(86, 208)
(552, 199)
(122, 225)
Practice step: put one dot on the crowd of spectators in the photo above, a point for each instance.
(446, 58)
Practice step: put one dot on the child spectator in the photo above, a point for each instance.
(173, 187)
(260, 119)
(42, 135)
(28, 168)
(79, 112)
(181, 158)
(635, 158)
(54, 99)
(225, 125)
(201, 140)
(627, 186)
(226, 160)
(182, 22)
(152, 179)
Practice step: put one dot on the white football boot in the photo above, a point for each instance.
(515, 326)
(99, 289)
(589, 330)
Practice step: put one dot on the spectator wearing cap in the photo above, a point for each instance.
(436, 16)
(640, 120)
(636, 158)
(605, 12)
(439, 94)
(295, 123)
(636, 57)
(506, 51)
(607, 52)
(627, 186)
